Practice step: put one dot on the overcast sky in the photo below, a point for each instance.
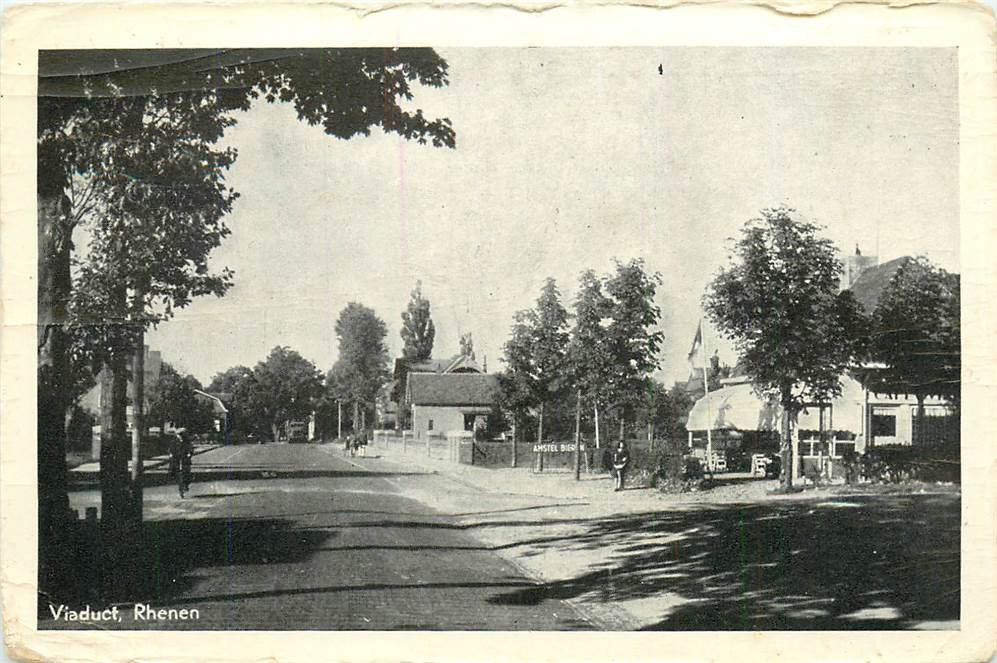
(566, 159)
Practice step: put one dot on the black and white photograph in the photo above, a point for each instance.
(500, 338)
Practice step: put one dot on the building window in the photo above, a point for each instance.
(884, 425)
(429, 426)
(841, 448)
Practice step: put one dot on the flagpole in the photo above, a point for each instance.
(706, 395)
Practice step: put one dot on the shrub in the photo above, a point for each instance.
(899, 463)
(679, 473)
(692, 469)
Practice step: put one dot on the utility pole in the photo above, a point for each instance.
(706, 395)
(578, 436)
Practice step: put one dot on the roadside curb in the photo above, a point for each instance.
(83, 473)
(452, 476)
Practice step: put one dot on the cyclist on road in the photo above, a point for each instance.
(181, 454)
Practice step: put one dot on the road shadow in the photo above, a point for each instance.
(204, 473)
(861, 563)
(165, 563)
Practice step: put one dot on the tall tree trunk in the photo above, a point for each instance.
(339, 419)
(623, 424)
(138, 386)
(53, 389)
(515, 421)
(918, 426)
(540, 426)
(578, 435)
(117, 505)
(596, 409)
(138, 422)
(356, 415)
(274, 432)
(787, 442)
(138, 407)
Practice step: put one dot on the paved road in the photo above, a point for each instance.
(299, 537)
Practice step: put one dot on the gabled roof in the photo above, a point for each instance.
(869, 286)
(462, 364)
(452, 389)
(456, 364)
(422, 365)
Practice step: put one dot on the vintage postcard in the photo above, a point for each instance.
(453, 332)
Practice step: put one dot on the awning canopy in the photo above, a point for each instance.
(736, 407)
(845, 413)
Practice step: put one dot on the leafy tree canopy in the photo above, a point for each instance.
(467, 346)
(632, 334)
(917, 332)
(281, 388)
(418, 330)
(535, 351)
(779, 301)
(226, 381)
(174, 401)
(589, 358)
(362, 367)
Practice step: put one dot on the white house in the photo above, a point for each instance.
(446, 402)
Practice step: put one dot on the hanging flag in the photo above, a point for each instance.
(696, 353)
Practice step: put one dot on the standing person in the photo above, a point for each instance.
(181, 456)
(363, 444)
(621, 458)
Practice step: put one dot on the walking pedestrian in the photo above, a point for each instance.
(621, 458)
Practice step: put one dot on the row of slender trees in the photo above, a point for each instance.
(599, 356)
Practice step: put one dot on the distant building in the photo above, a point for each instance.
(220, 412)
(443, 402)
(93, 400)
(860, 417)
(396, 393)
(855, 265)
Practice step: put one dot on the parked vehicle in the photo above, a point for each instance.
(297, 431)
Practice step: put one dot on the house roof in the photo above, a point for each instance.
(455, 364)
(869, 286)
(217, 406)
(421, 365)
(452, 389)
(448, 365)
